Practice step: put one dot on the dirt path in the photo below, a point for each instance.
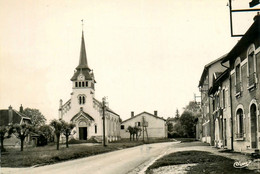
(255, 165)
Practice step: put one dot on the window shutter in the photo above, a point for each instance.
(244, 123)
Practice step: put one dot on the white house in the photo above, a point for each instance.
(84, 109)
(156, 126)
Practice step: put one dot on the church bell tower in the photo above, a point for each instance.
(83, 81)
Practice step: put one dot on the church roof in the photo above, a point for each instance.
(81, 112)
(85, 72)
(107, 108)
(83, 64)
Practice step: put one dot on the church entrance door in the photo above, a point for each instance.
(83, 133)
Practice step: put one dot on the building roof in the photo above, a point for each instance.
(206, 67)
(223, 76)
(251, 34)
(83, 63)
(17, 117)
(107, 108)
(81, 112)
(144, 113)
(85, 72)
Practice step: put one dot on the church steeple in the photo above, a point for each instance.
(83, 64)
(83, 72)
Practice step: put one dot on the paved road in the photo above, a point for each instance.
(124, 161)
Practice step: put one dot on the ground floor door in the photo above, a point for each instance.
(83, 133)
(253, 126)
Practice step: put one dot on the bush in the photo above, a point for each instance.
(42, 140)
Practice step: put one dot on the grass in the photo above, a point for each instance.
(32, 156)
(206, 163)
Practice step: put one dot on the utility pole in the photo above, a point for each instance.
(104, 117)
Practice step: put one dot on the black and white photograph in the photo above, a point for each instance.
(129, 86)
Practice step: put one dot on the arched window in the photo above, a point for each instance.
(76, 84)
(238, 79)
(82, 99)
(79, 84)
(240, 123)
(251, 66)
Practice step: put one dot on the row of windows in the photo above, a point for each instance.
(241, 124)
(81, 84)
(220, 100)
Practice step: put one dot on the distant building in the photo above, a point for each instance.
(156, 126)
(205, 84)
(9, 117)
(84, 109)
(221, 106)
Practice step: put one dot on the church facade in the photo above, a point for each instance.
(84, 110)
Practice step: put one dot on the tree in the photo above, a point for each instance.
(67, 130)
(57, 125)
(36, 116)
(177, 114)
(178, 130)
(170, 127)
(46, 131)
(21, 131)
(187, 121)
(193, 107)
(5, 132)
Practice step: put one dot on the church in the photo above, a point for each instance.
(84, 110)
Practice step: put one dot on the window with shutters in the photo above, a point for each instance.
(251, 67)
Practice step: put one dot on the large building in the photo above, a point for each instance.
(244, 64)
(83, 109)
(231, 99)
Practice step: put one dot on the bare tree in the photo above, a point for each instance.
(67, 130)
(57, 125)
(5, 132)
(21, 131)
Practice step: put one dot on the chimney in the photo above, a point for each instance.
(132, 114)
(257, 16)
(60, 103)
(155, 113)
(10, 114)
(21, 108)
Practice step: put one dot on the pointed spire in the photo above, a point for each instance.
(83, 64)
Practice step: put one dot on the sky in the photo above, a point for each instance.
(146, 54)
